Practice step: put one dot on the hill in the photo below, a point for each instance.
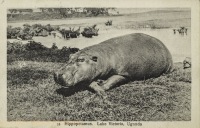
(161, 14)
(159, 19)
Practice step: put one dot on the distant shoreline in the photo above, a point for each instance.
(53, 16)
(71, 18)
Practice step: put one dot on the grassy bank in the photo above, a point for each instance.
(35, 51)
(33, 95)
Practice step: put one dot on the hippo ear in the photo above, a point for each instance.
(94, 58)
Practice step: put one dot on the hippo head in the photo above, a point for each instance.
(81, 68)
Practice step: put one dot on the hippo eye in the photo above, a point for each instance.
(80, 60)
(94, 58)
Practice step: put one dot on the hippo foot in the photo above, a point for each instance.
(98, 89)
(101, 86)
(101, 95)
(100, 82)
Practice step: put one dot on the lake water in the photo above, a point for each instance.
(178, 45)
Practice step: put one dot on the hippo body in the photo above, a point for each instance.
(131, 57)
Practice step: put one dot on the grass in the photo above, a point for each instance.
(155, 24)
(35, 51)
(34, 96)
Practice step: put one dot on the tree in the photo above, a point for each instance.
(43, 9)
(12, 11)
(50, 9)
(98, 11)
(64, 11)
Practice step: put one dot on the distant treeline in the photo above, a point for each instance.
(35, 51)
(58, 13)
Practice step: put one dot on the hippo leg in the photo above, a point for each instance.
(113, 81)
(97, 88)
(106, 85)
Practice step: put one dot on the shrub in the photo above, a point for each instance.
(73, 50)
(16, 47)
(35, 51)
(26, 25)
(36, 25)
(29, 31)
(12, 33)
(54, 46)
(48, 28)
(35, 46)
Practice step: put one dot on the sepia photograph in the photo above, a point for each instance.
(89, 64)
(76, 65)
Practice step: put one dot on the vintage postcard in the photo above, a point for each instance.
(99, 63)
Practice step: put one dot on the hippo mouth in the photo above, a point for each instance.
(58, 78)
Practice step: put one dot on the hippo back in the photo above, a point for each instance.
(136, 56)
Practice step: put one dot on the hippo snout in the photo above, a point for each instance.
(55, 76)
(59, 79)
(62, 80)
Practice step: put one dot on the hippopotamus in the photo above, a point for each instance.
(116, 61)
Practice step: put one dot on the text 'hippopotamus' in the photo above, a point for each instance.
(115, 61)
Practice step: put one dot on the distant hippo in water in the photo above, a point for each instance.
(115, 61)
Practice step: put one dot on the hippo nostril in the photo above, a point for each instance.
(59, 79)
(55, 76)
(60, 76)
